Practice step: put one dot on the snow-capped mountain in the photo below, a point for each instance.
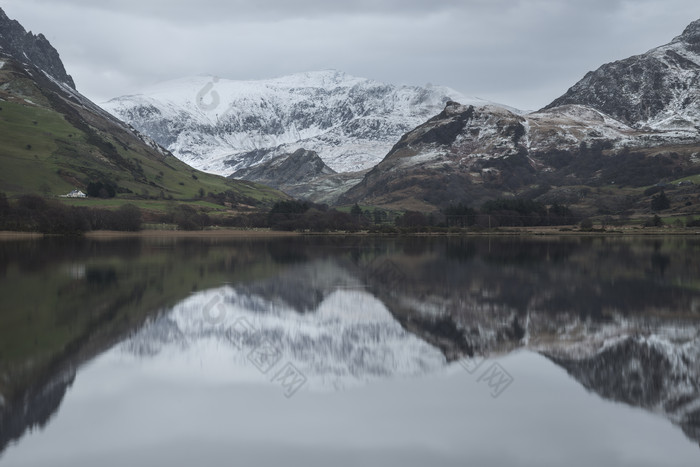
(657, 90)
(221, 126)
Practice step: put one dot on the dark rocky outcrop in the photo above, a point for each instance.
(26, 47)
(302, 166)
(302, 174)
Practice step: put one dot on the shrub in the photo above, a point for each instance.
(187, 218)
(586, 224)
(660, 202)
(654, 222)
(128, 218)
(653, 190)
(101, 189)
(412, 219)
(692, 223)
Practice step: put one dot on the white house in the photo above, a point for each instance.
(75, 194)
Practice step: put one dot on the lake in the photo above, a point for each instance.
(353, 350)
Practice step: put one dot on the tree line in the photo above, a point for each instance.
(297, 215)
(33, 213)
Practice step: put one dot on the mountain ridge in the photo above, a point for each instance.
(470, 154)
(350, 122)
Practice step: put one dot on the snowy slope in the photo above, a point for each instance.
(220, 125)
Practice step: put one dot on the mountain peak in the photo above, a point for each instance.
(319, 79)
(655, 90)
(36, 50)
(691, 34)
(332, 74)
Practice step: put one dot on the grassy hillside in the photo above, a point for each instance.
(53, 141)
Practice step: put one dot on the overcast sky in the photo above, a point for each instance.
(522, 53)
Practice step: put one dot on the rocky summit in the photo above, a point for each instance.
(26, 47)
(656, 90)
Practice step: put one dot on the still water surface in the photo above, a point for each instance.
(350, 351)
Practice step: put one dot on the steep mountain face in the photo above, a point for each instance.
(222, 126)
(55, 140)
(302, 175)
(469, 154)
(659, 89)
(26, 47)
(288, 169)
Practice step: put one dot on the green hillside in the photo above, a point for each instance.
(53, 141)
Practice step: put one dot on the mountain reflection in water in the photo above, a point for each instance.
(621, 316)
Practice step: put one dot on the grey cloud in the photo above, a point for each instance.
(523, 53)
(212, 11)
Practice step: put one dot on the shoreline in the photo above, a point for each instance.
(112, 234)
(219, 233)
(239, 233)
(10, 235)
